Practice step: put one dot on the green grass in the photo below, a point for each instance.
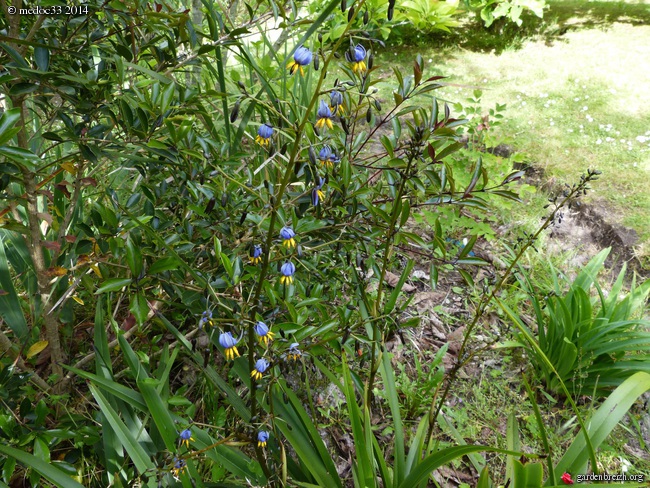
(580, 102)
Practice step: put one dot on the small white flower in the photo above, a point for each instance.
(576, 99)
(599, 141)
(585, 108)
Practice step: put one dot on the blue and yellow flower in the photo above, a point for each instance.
(178, 466)
(260, 367)
(287, 234)
(294, 353)
(229, 343)
(255, 255)
(185, 437)
(206, 319)
(332, 160)
(287, 270)
(324, 155)
(264, 134)
(359, 57)
(302, 57)
(262, 437)
(317, 193)
(263, 331)
(336, 102)
(324, 114)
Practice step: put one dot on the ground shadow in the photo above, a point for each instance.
(559, 18)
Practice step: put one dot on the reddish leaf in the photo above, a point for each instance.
(71, 239)
(62, 187)
(432, 152)
(88, 181)
(128, 323)
(51, 245)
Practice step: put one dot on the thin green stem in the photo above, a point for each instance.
(487, 298)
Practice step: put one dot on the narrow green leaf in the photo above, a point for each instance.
(113, 388)
(137, 453)
(390, 389)
(10, 308)
(7, 121)
(164, 264)
(15, 55)
(603, 422)
(139, 307)
(42, 58)
(392, 299)
(133, 258)
(22, 157)
(46, 470)
(113, 284)
(159, 412)
(443, 457)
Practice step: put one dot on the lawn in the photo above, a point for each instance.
(576, 85)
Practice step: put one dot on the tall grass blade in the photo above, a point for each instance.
(136, 452)
(602, 423)
(9, 303)
(388, 375)
(445, 456)
(46, 470)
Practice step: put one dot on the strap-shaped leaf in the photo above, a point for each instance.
(46, 470)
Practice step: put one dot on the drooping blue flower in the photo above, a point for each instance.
(359, 56)
(324, 154)
(302, 57)
(260, 367)
(185, 437)
(229, 343)
(262, 437)
(336, 102)
(206, 319)
(264, 134)
(287, 270)
(287, 234)
(332, 160)
(317, 193)
(255, 255)
(324, 114)
(263, 331)
(294, 353)
(178, 466)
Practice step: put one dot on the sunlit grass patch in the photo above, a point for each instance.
(578, 104)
